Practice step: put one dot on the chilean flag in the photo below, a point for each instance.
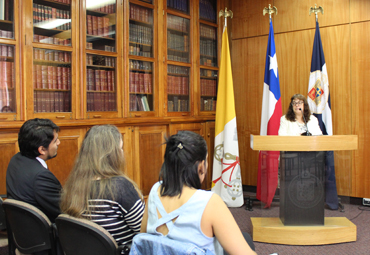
(270, 122)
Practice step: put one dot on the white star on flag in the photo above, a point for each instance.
(273, 64)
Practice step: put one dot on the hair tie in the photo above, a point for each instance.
(180, 146)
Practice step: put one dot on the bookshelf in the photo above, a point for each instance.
(135, 64)
(208, 56)
(52, 80)
(178, 88)
(7, 82)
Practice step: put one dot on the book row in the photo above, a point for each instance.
(178, 85)
(90, 45)
(207, 10)
(140, 65)
(7, 75)
(140, 34)
(207, 61)
(208, 73)
(42, 14)
(61, 1)
(208, 104)
(178, 42)
(7, 99)
(100, 80)
(51, 101)
(139, 103)
(140, 82)
(209, 32)
(176, 57)
(100, 60)
(171, 69)
(51, 40)
(177, 23)
(6, 34)
(178, 105)
(140, 50)
(52, 55)
(141, 13)
(181, 5)
(208, 87)
(101, 102)
(208, 47)
(99, 26)
(110, 8)
(51, 77)
(6, 50)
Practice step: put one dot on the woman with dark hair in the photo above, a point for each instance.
(293, 122)
(97, 188)
(179, 210)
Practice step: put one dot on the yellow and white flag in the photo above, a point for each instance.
(226, 178)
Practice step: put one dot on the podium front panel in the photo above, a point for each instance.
(302, 188)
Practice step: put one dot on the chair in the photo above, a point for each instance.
(83, 237)
(145, 243)
(29, 229)
(2, 216)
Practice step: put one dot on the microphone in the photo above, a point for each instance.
(307, 133)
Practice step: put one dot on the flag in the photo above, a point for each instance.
(268, 161)
(319, 102)
(226, 177)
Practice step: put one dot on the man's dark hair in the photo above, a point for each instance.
(35, 133)
(184, 152)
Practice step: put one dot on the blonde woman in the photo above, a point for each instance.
(97, 188)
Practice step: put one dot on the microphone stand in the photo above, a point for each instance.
(307, 133)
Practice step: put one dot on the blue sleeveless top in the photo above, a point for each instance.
(186, 227)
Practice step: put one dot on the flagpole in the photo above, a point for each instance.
(316, 10)
(225, 13)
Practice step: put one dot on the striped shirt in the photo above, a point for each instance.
(122, 216)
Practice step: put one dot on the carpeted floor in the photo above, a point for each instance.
(361, 218)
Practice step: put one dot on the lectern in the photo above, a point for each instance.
(302, 178)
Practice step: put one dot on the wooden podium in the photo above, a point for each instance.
(302, 167)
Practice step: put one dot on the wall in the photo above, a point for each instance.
(344, 29)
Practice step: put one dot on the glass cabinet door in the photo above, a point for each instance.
(100, 83)
(141, 86)
(101, 25)
(52, 80)
(7, 79)
(7, 19)
(141, 31)
(208, 90)
(178, 39)
(178, 99)
(208, 45)
(179, 5)
(52, 22)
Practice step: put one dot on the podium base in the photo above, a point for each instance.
(334, 230)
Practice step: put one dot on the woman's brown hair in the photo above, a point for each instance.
(290, 115)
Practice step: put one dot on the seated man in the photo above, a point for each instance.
(28, 178)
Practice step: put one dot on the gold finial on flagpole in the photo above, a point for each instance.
(270, 10)
(226, 14)
(316, 10)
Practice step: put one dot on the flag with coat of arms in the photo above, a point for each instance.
(268, 161)
(226, 177)
(319, 101)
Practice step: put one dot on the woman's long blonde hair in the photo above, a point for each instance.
(100, 158)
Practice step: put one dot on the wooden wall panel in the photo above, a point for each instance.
(360, 77)
(149, 150)
(70, 142)
(294, 15)
(359, 10)
(127, 136)
(194, 127)
(210, 139)
(248, 60)
(8, 147)
(248, 20)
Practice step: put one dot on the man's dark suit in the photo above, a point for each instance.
(28, 181)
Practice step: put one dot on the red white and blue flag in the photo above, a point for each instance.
(319, 102)
(270, 122)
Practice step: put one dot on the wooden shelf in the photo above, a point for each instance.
(55, 4)
(99, 67)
